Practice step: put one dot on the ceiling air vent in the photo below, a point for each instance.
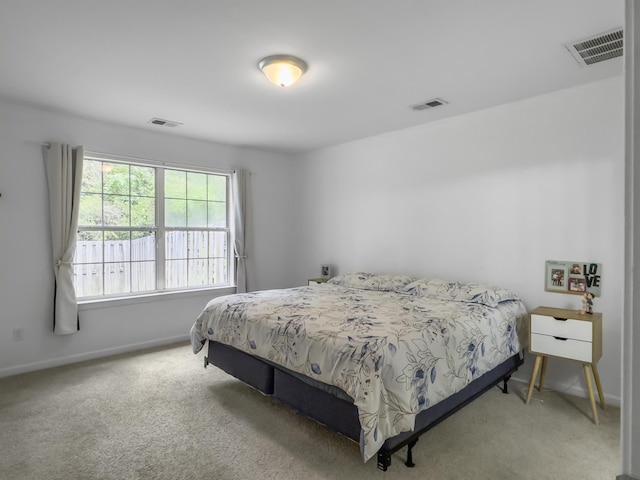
(598, 48)
(163, 123)
(436, 102)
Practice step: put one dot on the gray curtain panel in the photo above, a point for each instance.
(239, 192)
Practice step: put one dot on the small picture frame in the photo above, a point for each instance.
(556, 277)
(325, 270)
(577, 284)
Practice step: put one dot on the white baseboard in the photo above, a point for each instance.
(575, 390)
(81, 357)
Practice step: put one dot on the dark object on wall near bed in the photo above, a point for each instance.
(377, 358)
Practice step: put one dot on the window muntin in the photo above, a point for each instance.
(126, 245)
(195, 200)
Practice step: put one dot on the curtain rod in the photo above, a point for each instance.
(48, 145)
(128, 159)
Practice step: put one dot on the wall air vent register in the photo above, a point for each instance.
(436, 102)
(164, 123)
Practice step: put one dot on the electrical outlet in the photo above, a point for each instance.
(18, 333)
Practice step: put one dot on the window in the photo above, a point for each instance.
(146, 228)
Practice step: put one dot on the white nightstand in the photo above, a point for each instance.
(318, 281)
(567, 334)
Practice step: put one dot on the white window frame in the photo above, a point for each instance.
(160, 230)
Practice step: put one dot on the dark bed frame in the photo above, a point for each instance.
(332, 407)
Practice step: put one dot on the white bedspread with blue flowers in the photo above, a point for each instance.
(396, 344)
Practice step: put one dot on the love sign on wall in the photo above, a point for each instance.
(573, 277)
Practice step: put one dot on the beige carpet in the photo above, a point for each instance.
(158, 414)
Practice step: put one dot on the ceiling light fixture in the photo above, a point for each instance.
(282, 70)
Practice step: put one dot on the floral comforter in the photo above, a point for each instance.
(396, 344)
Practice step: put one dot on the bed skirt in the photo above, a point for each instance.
(332, 407)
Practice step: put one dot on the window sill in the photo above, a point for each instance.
(94, 303)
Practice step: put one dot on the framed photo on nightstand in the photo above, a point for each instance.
(325, 270)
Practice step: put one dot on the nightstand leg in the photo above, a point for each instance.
(536, 366)
(587, 376)
(542, 372)
(598, 386)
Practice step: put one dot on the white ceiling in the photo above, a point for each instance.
(195, 61)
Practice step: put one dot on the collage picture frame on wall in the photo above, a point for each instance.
(575, 278)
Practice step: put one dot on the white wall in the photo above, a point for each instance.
(26, 278)
(488, 197)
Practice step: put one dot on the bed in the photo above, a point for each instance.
(377, 358)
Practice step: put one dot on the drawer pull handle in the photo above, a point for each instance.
(560, 319)
(561, 338)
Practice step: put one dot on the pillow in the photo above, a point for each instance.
(460, 291)
(370, 281)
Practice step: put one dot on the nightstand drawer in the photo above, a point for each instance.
(572, 329)
(569, 348)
